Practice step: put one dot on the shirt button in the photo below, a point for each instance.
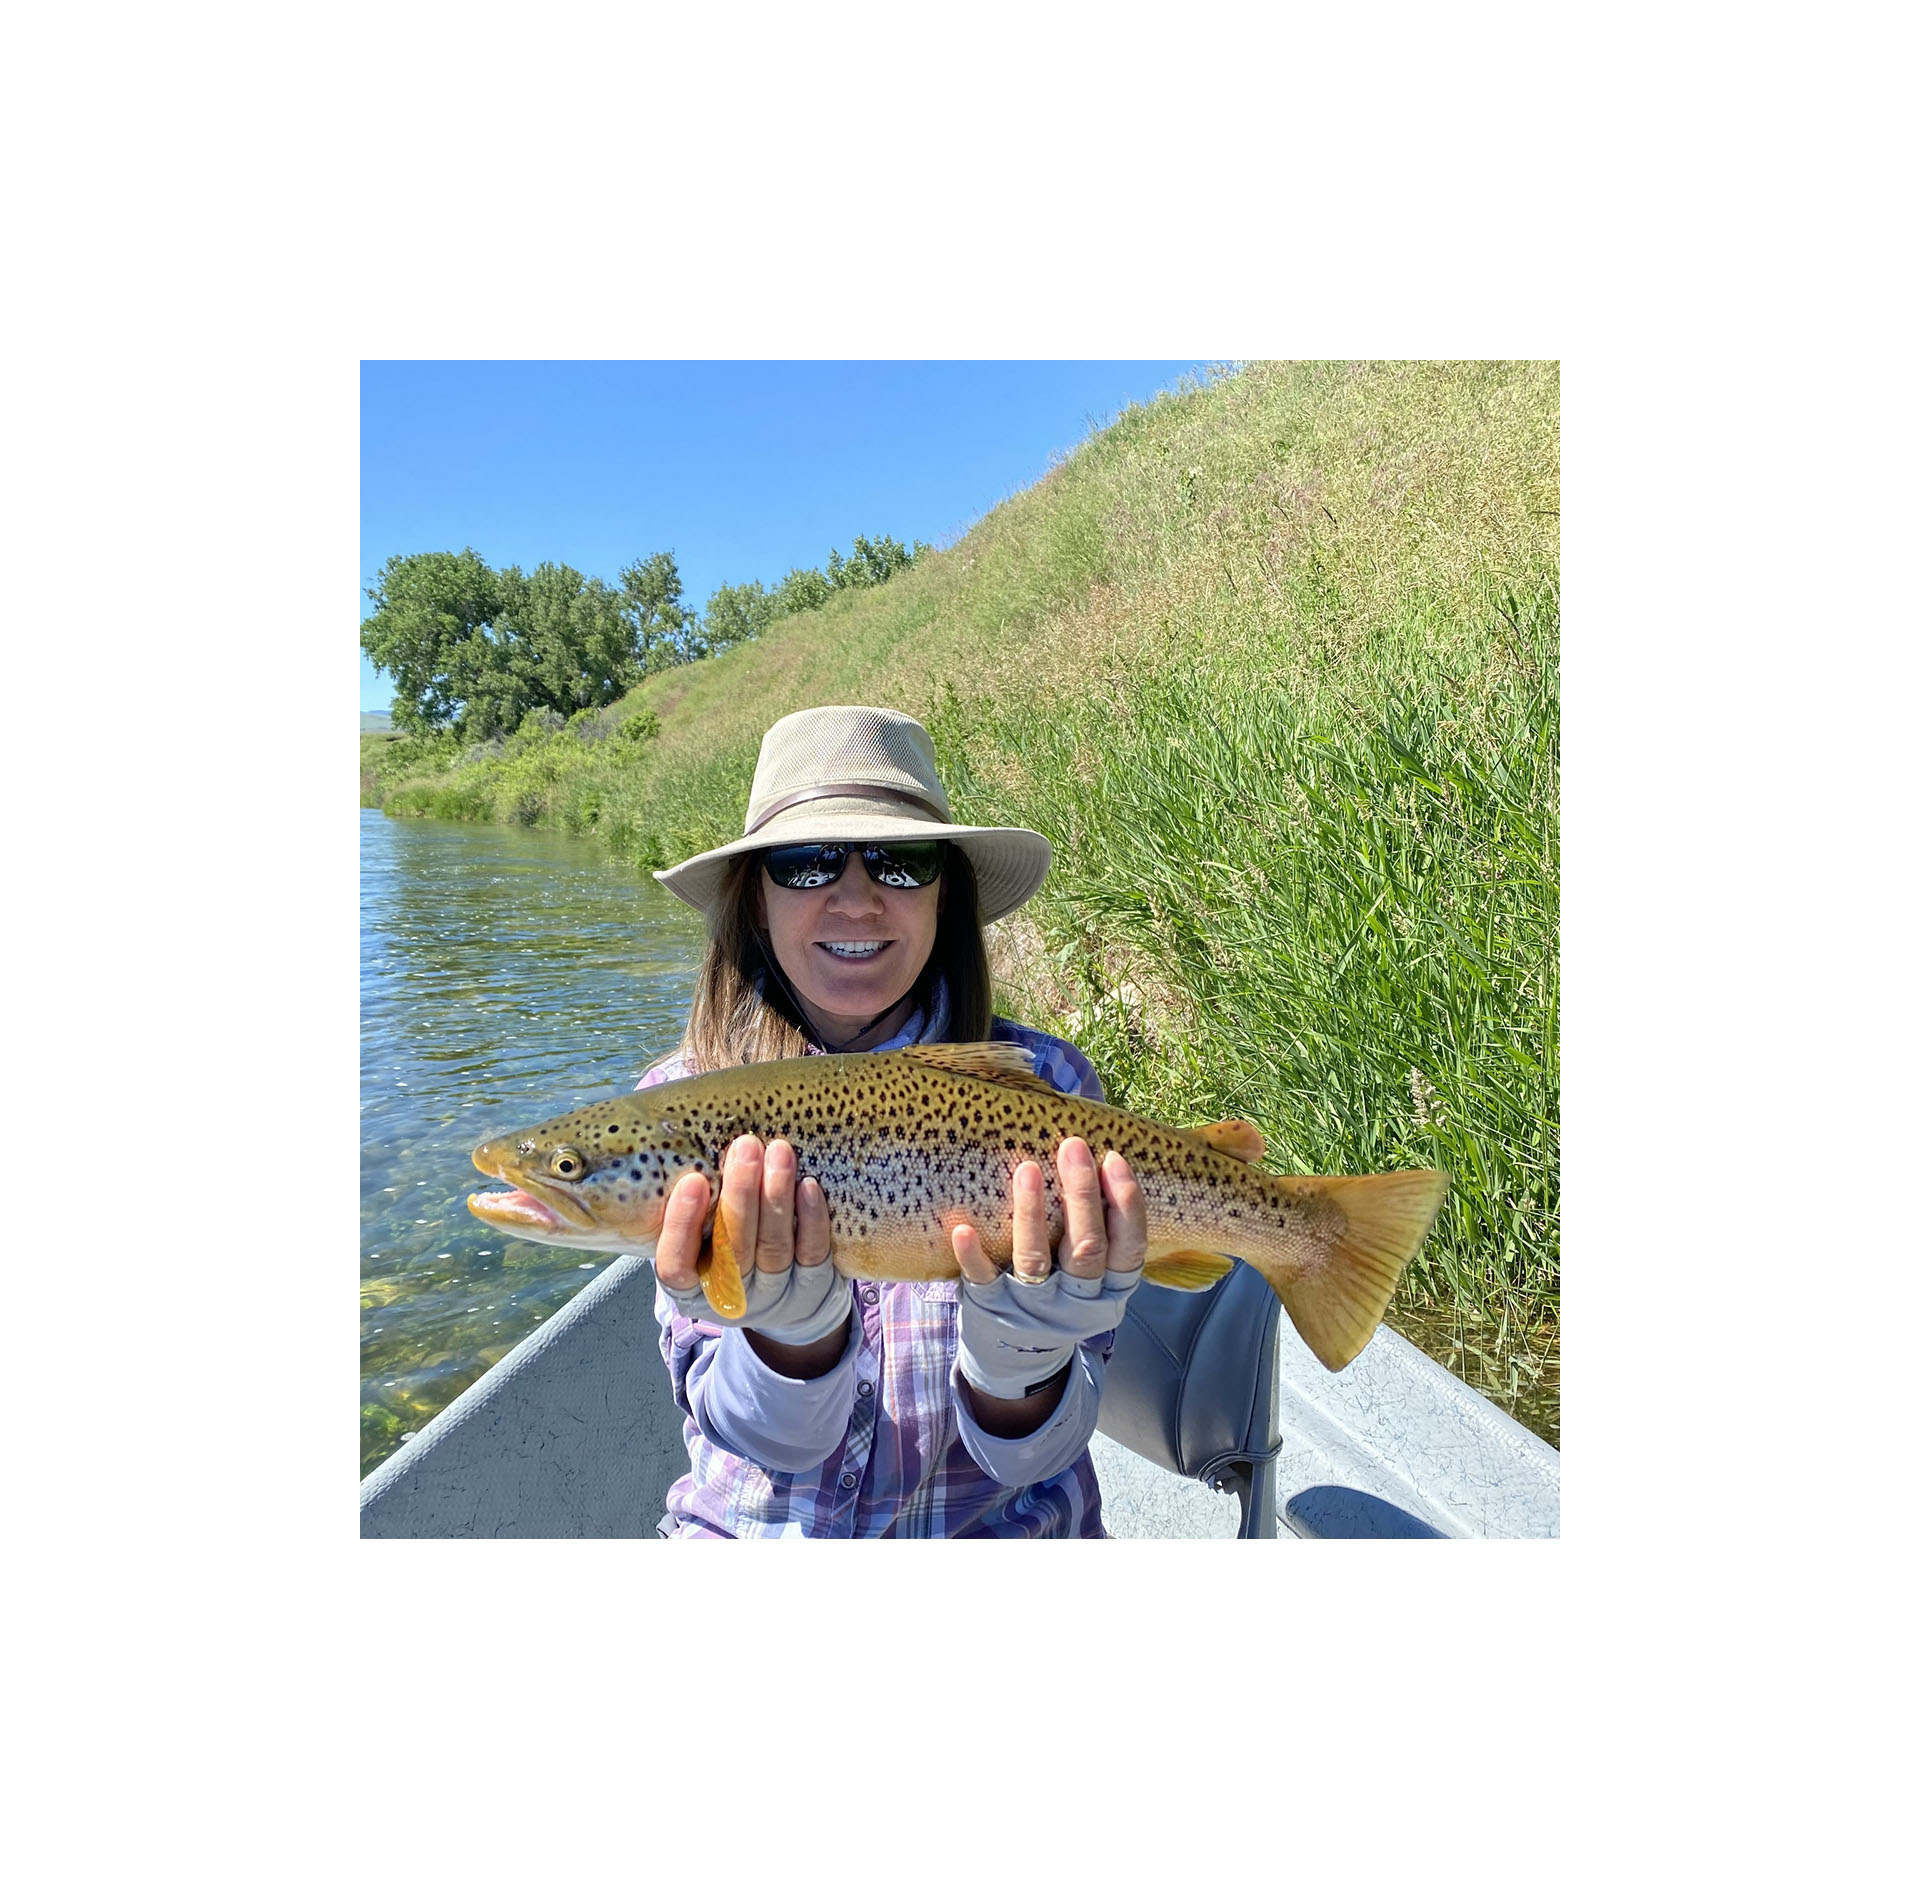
(865, 1387)
(870, 1295)
(849, 1480)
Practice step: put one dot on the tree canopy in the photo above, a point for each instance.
(873, 562)
(737, 613)
(474, 650)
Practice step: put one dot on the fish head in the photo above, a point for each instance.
(597, 1178)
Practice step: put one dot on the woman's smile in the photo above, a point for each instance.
(864, 951)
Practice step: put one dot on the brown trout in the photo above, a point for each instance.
(910, 1144)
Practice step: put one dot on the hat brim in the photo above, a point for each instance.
(1009, 864)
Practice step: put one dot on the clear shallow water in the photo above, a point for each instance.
(504, 974)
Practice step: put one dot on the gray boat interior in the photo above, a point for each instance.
(1216, 1421)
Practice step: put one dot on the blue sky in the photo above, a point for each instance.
(742, 469)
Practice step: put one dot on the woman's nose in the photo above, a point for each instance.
(854, 890)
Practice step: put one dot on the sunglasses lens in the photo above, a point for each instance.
(806, 866)
(905, 866)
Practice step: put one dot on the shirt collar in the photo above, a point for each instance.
(925, 1024)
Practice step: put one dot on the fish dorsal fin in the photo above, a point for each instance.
(1004, 1062)
(1241, 1139)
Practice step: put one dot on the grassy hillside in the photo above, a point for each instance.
(1274, 662)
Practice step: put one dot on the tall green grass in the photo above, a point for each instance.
(1274, 662)
(1336, 919)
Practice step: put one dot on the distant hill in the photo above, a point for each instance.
(376, 722)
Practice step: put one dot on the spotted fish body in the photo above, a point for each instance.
(908, 1145)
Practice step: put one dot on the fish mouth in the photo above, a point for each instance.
(517, 1211)
(551, 1210)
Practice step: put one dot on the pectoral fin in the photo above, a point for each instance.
(1187, 1272)
(720, 1272)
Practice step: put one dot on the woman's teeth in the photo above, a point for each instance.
(853, 952)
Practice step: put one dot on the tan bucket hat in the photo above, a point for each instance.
(862, 775)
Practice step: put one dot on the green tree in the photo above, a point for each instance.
(874, 563)
(476, 651)
(665, 632)
(429, 632)
(563, 642)
(734, 614)
(803, 589)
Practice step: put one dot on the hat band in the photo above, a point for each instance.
(892, 792)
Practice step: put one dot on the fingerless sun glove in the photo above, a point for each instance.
(799, 1306)
(1013, 1338)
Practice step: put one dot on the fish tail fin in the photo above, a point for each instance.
(1337, 1302)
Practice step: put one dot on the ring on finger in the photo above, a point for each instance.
(1028, 1279)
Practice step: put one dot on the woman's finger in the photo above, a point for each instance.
(676, 1258)
(813, 1228)
(774, 1251)
(740, 1173)
(1032, 1256)
(1085, 1249)
(1126, 1215)
(974, 1263)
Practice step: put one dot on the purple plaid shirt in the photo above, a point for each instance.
(882, 1444)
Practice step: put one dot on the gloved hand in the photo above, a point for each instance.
(793, 1307)
(1014, 1337)
(1017, 1329)
(773, 1227)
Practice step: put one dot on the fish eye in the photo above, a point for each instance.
(566, 1163)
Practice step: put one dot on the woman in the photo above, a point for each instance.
(848, 917)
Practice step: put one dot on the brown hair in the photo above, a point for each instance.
(731, 1022)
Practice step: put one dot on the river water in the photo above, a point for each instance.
(505, 974)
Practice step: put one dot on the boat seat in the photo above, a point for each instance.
(1191, 1388)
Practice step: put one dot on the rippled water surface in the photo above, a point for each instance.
(505, 974)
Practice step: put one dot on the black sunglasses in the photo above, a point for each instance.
(904, 864)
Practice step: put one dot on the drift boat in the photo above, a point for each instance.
(1215, 1421)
